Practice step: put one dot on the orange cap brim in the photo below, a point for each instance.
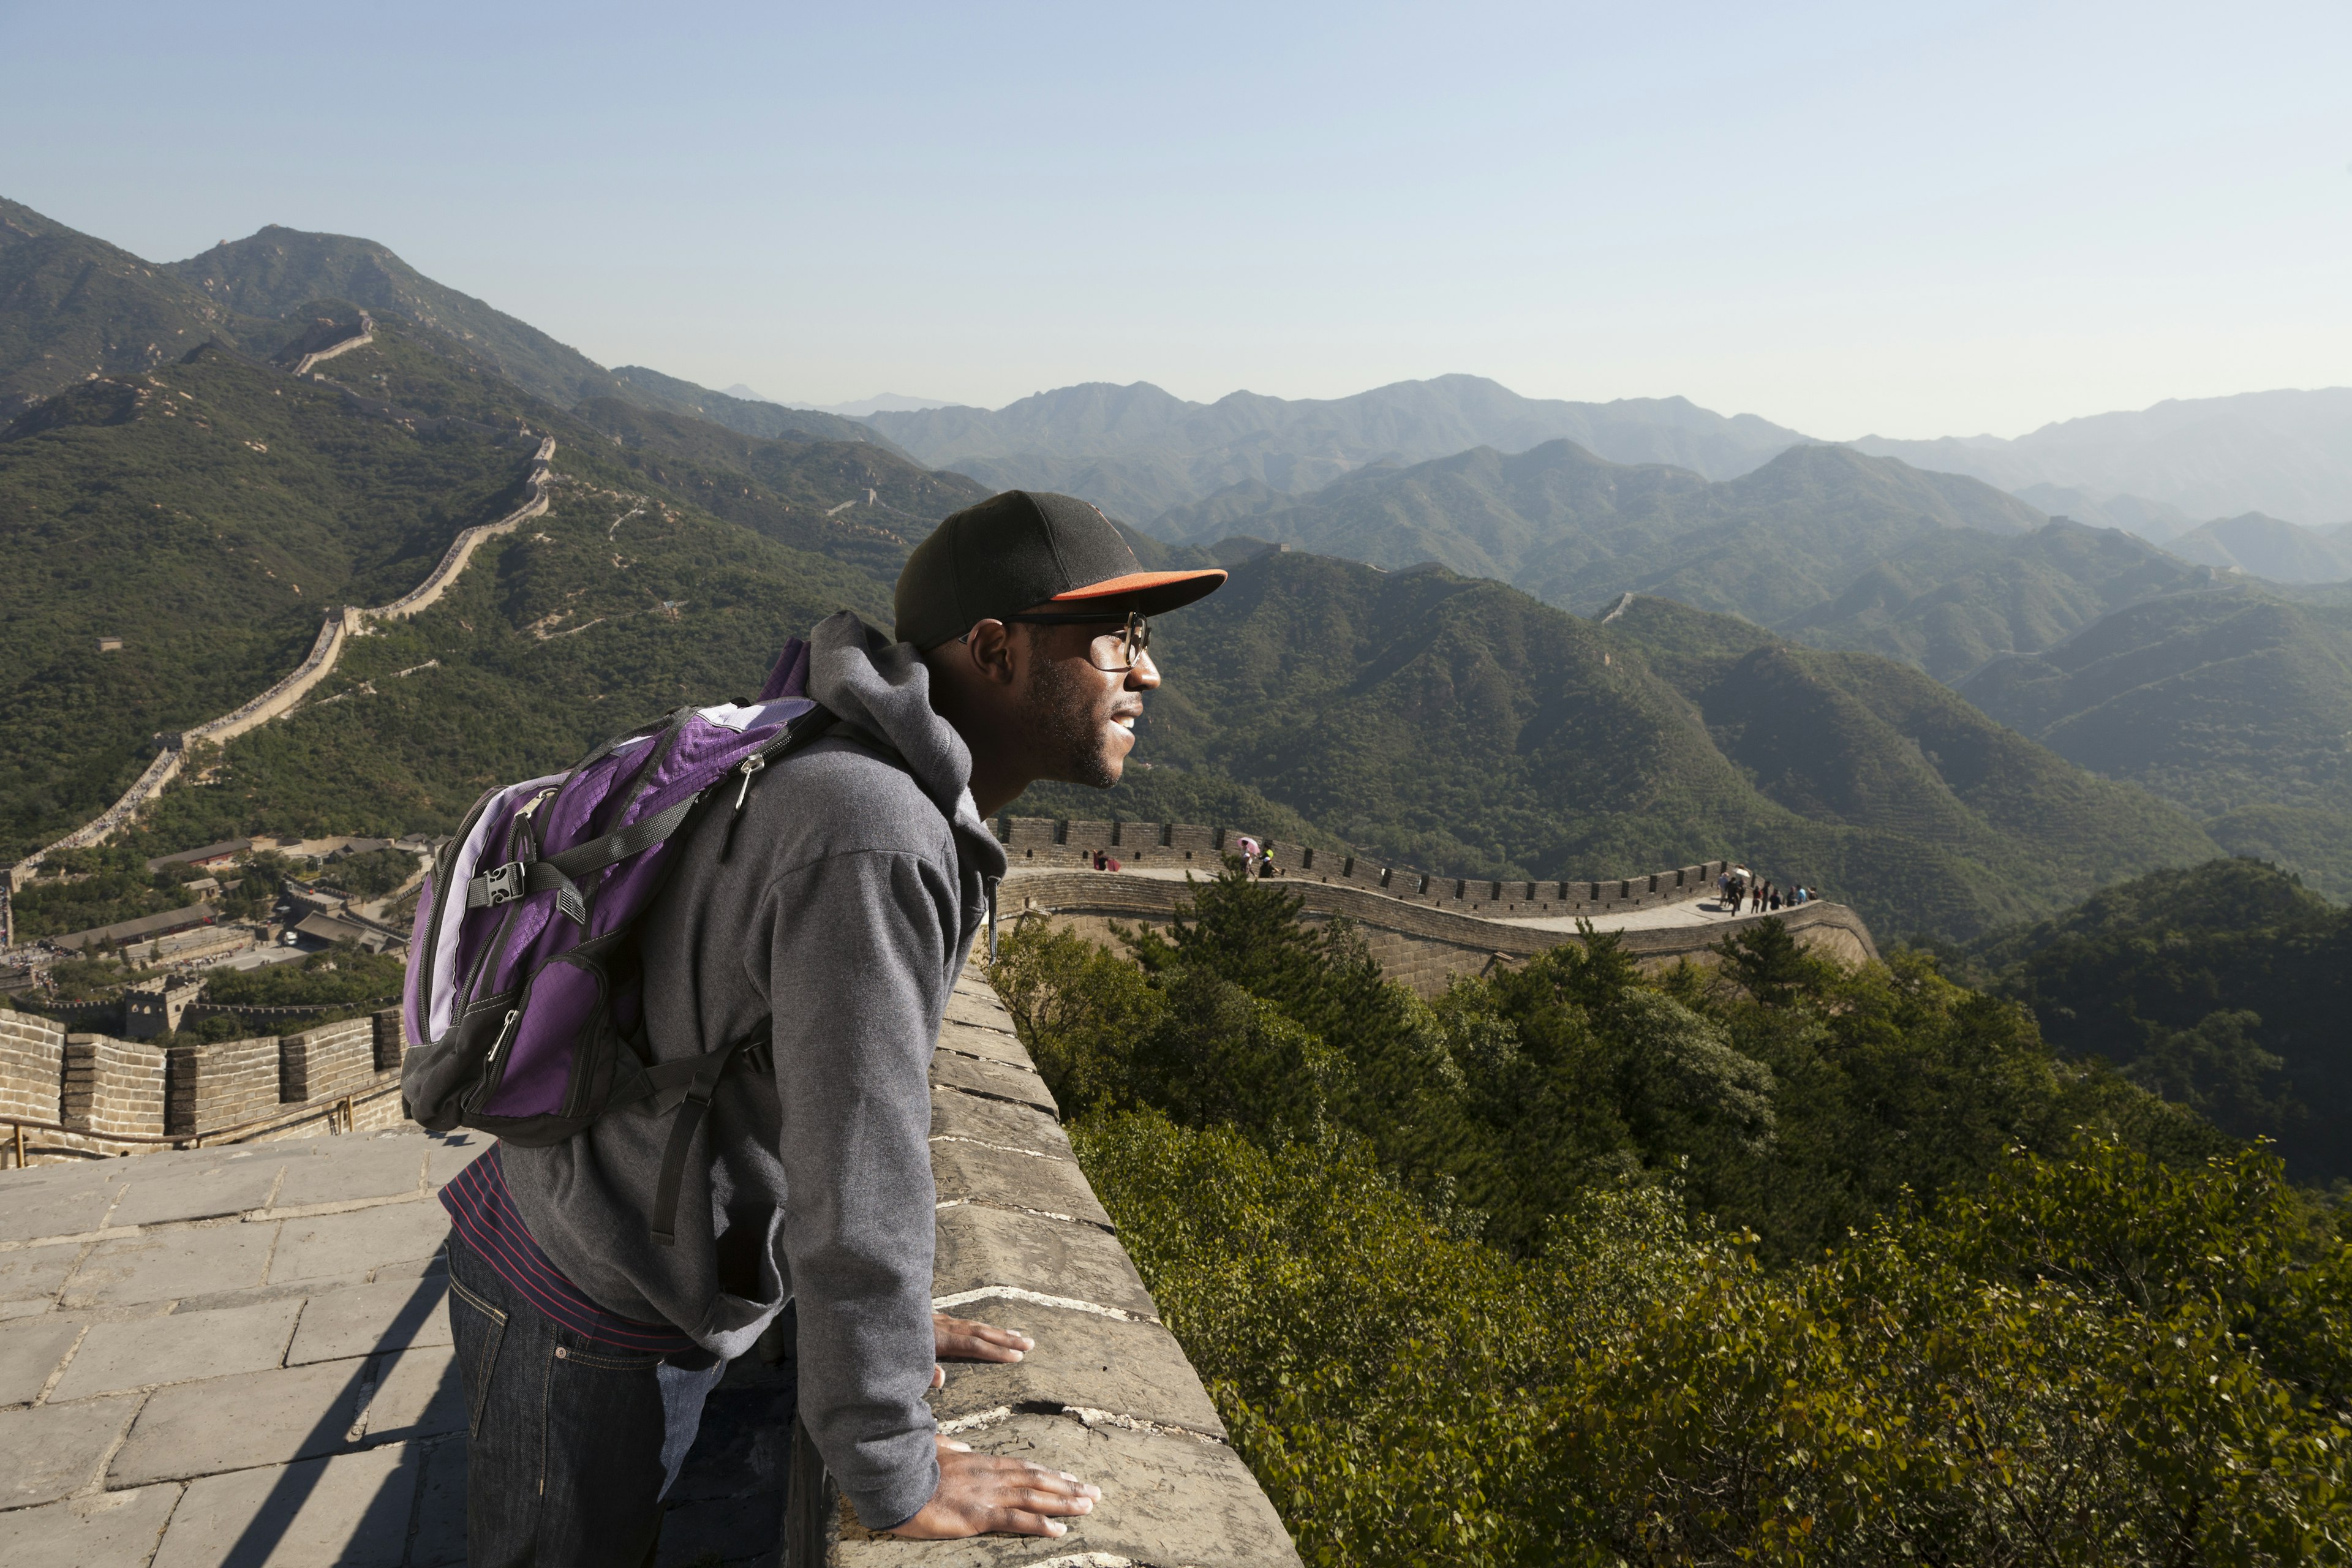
(1159, 591)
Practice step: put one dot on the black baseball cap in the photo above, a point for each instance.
(1023, 548)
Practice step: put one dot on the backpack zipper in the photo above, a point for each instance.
(486, 1081)
(751, 764)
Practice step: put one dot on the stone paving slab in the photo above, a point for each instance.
(419, 1394)
(452, 1153)
(1081, 1358)
(385, 1165)
(31, 1349)
(1167, 1498)
(362, 1318)
(35, 1273)
(111, 1530)
(994, 1078)
(980, 1010)
(440, 1539)
(963, 1171)
(329, 1246)
(171, 1265)
(241, 1422)
(350, 1511)
(984, 1247)
(955, 1114)
(40, 1203)
(230, 1185)
(990, 1045)
(51, 1450)
(178, 1348)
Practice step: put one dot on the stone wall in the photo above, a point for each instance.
(1422, 944)
(225, 1084)
(32, 1066)
(1107, 1394)
(113, 1088)
(339, 627)
(80, 1094)
(327, 1062)
(1043, 844)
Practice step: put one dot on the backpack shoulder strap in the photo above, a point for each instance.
(684, 1087)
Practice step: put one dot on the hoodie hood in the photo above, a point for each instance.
(885, 689)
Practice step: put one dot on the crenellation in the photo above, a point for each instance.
(32, 1065)
(1423, 943)
(112, 1087)
(327, 1062)
(221, 1085)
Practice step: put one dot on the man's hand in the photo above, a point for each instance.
(979, 1493)
(961, 1338)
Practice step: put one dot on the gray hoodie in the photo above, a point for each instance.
(842, 914)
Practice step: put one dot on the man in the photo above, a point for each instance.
(836, 909)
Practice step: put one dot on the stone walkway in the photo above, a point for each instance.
(241, 1356)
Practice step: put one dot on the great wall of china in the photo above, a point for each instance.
(1422, 928)
(340, 626)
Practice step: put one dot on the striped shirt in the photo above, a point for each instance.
(484, 1216)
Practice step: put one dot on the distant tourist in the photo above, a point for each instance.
(861, 870)
(1098, 860)
(1267, 867)
(1772, 897)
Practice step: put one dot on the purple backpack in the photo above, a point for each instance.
(524, 1006)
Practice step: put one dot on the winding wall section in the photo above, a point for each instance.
(340, 626)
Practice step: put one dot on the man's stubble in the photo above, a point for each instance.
(1066, 702)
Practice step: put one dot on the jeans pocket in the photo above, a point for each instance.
(477, 1329)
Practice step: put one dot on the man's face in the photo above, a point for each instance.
(1082, 718)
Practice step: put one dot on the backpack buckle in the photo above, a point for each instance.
(504, 884)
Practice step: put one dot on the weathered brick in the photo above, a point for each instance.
(112, 1087)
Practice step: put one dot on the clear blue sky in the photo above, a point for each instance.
(1918, 220)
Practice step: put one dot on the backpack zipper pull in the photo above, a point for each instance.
(506, 1032)
(746, 767)
(751, 764)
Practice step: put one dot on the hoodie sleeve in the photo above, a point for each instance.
(859, 948)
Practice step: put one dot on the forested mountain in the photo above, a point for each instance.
(71, 307)
(1576, 530)
(210, 511)
(278, 270)
(751, 416)
(1139, 451)
(1463, 725)
(2235, 705)
(2222, 986)
(2262, 546)
(1953, 599)
(2287, 453)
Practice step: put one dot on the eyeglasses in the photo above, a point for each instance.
(1117, 652)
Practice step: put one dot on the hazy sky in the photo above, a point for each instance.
(1915, 220)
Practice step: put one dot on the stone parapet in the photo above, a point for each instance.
(1423, 943)
(224, 1085)
(1107, 1393)
(327, 1062)
(1045, 844)
(32, 1065)
(113, 1089)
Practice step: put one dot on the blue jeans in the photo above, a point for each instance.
(572, 1443)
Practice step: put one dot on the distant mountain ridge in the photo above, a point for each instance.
(1576, 530)
(2266, 547)
(72, 306)
(1141, 451)
(2287, 453)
